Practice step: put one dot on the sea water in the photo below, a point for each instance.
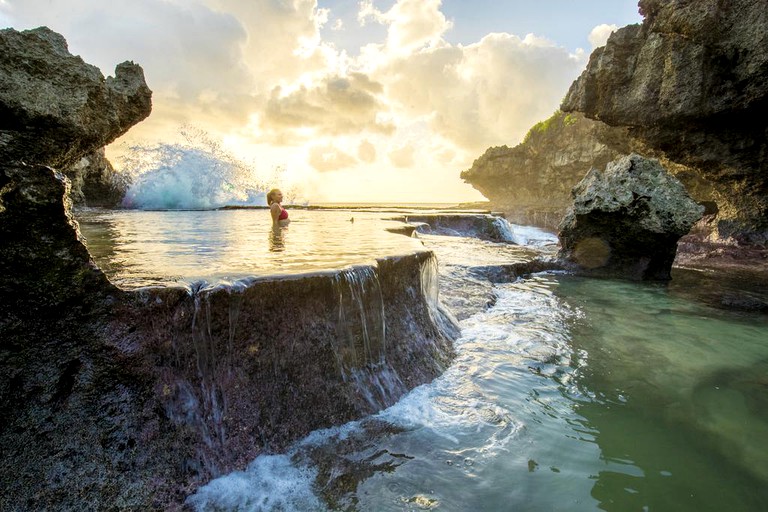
(566, 393)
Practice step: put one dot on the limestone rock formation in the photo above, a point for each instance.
(692, 83)
(531, 182)
(54, 108)
(94, 182)
(626, 221)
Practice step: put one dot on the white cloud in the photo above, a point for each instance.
(334, 105)
(599, 35)
(259, 73)
(402, 156)
(483, 94)
(366, 151)
(413, 24)
(329, 158)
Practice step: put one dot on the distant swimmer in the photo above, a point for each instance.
(352, 220)
(279, 214)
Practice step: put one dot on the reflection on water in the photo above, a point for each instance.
(277, 238)
(141, 248)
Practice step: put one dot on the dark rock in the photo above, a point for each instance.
(94, 182)
(531, 183)
(55, 108)
(483, 226)
(692, 83)
(626, 221)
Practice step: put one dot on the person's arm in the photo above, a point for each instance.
(274, 209)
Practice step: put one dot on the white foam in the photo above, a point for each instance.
(175, 176)
(270, 483)
(525, 235)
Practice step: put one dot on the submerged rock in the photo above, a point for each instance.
(55, 107)
(692, 83)
(626, 221)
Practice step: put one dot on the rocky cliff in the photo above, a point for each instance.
(94, 182)
(691, 82)
(531, 182)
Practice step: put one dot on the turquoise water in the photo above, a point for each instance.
(567, 394)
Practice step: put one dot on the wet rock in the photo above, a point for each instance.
(626, 221)
(94, 182)
(483, 226)
(692, 83)
(131, 400)
(55, 108)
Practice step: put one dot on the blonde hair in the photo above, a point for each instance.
(270, 196)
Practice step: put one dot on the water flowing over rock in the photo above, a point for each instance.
(626, 221)
(692, 83)
(482, 225)
(54, 107)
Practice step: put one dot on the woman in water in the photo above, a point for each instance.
(279, 214)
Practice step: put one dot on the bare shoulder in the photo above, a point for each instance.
(275, 207)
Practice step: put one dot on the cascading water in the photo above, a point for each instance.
(195, 393)
(361, 344)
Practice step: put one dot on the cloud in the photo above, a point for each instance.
(334, 105)
(366, 151)
(329, 158)
(413, 24)
(402, 156)
(483, 94)
(260, 73)
(599, 35)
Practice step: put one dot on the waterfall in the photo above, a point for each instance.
(361, 345)
(200, 403)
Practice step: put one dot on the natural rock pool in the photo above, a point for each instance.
(566, 393)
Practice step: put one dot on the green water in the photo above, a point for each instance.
(681, 396)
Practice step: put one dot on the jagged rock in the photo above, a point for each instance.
(480, 225)
(531, 182)
(692, 83)
(94, 182)
(626, 221)
(54, 107)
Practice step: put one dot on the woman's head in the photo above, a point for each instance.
(274, 196)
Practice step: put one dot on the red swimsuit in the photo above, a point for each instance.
(283, 214)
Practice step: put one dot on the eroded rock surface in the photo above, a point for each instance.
(55, 108)
(94, 182)
(626, 221)
(692, 83)
(531, 182)
(130, 400)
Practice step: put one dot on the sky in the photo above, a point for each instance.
(340, 100)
